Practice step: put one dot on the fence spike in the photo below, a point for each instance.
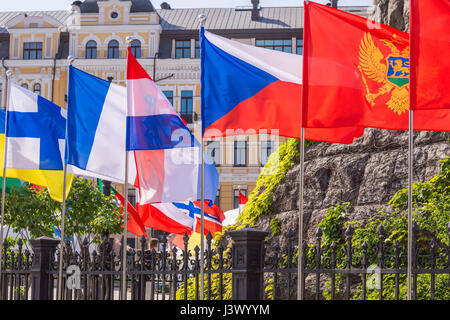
(381, 231)
(349, 231)
(319, 232)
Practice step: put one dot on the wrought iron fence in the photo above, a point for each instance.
(331, 271)
(16, 272)
(347, 272)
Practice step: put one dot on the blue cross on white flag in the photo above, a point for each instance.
(35, 131)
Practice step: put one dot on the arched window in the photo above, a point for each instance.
(136, 48)
(37, 88)
(91, 50)
(24, 85)
(113, 49)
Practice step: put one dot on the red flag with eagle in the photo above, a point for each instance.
(430, 47)
(356, 73)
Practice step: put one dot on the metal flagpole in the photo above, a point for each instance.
(63, 219)
(410, 205)
(202, 19)
(125, 231)
(2, 222)
(300, 273)
(239, 205)
(300, 287)
(410, 190)
(125, 217)
(61, 243)
(202, 227)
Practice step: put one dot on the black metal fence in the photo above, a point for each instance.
(249, 269)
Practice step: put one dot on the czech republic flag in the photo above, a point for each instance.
(250, 90)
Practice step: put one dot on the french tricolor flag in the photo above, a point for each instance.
(251, 90)
(168, 157)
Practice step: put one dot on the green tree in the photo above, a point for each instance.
(89, 213)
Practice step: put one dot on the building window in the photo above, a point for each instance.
(299, 46)
(32, 50)
(186, 102)
(182, 49)
(113, 49)
(24, 85)
(37, 88)
(91, 50)
(217, 201)
(266, 151)
(114, 15)
(169, 96)
(197, 49)
(132, 196)
(213, 151)
(240, 153)
(136, 48)
(236, 197)
(279, 45)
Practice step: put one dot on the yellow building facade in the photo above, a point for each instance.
(35, 46)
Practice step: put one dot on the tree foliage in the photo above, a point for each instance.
(431, 203)
(89, 213)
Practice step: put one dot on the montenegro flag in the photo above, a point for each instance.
(430, 49)
(53, 180)
(357, 74)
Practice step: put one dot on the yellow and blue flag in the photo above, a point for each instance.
(36, 137)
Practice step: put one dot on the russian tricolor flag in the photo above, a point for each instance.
(168, 157)
(246, 89)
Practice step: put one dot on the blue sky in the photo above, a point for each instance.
(32, 5)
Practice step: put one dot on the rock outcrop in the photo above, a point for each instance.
(366, 173)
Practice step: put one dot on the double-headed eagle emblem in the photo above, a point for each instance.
(391, 73)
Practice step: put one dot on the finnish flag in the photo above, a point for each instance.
(96, 128)
(35, 132)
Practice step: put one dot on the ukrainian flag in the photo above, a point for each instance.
(51, 179)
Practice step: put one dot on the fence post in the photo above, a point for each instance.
(248, 264)
(43, 249)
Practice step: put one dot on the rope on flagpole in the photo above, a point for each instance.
(202, 19)
(8, 80)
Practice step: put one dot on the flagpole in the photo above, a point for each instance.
(300, 268)
(2, 222)
(71, 59)
(125, 231)
(202, 19)
(300, 286)
(61, 243)
(410, 205)
(239, 195)
(125, 216)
